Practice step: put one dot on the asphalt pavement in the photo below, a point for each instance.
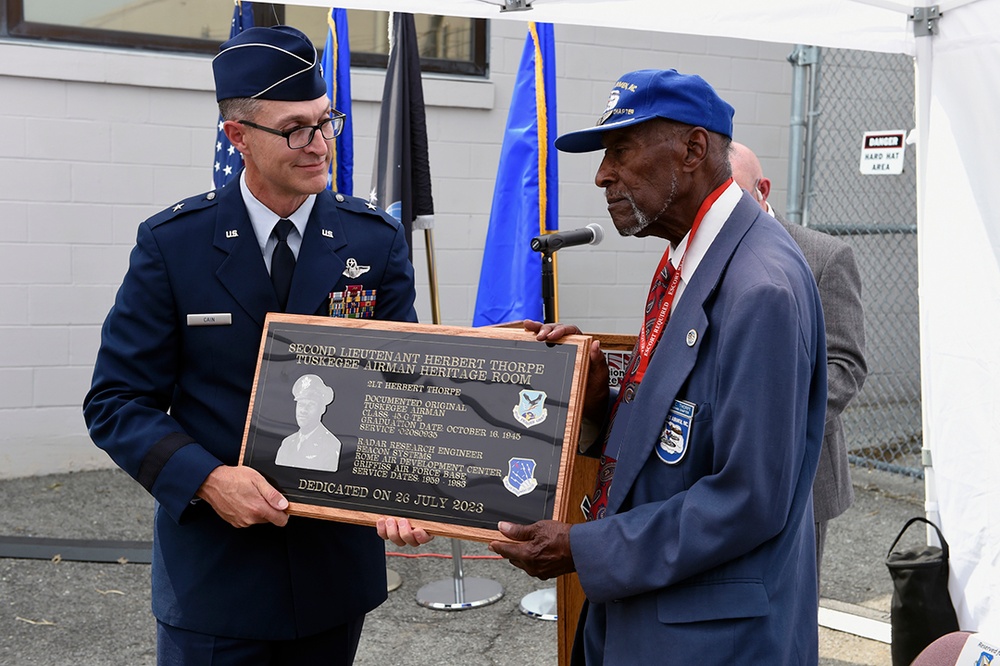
(56, 610)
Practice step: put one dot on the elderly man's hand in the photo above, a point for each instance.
(401, 532)
(541, 549)
(595, 403)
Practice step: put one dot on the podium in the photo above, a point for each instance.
(569, 594)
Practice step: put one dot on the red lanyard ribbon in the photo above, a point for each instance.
(646, 346)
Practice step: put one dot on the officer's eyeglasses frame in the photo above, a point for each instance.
(296, 139)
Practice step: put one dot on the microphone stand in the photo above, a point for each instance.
(542, 604)
(548, 287)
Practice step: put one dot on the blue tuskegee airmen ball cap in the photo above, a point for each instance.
(654, 93)
(277, 63)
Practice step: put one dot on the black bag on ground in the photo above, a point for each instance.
(921, 608)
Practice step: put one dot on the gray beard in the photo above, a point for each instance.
(641, 219)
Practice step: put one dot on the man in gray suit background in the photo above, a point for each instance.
(832, 263)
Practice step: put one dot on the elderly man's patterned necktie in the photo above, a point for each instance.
(628, 386)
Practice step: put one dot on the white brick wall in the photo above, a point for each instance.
(94, 141)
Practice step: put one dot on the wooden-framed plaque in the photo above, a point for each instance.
(454, 428)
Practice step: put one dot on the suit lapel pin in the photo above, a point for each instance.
(327, 233)
(353, 270)
(232, 233)
(692, 337)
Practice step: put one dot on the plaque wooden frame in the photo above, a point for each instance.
(272, 381)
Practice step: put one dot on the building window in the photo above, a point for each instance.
(447, 44)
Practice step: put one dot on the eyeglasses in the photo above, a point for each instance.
(300, 137)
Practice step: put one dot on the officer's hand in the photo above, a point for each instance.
(595, 405)
(541, 549)
(400, 532)
(242, 497)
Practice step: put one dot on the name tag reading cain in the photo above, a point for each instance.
(456, 428)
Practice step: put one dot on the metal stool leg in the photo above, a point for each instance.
(459, 592)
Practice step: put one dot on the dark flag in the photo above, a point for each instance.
(228, 160)
(525, 196)
(401, 180)
(337, 73)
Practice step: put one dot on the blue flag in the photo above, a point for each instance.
(228, 160)
(401, 179)
(337, 73)
(525, 197)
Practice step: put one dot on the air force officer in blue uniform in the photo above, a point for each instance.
(235, 579)
(700, 550)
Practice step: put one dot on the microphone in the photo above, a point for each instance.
(592, 234)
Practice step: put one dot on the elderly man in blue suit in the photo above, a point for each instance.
(700, 544)
(235, 579)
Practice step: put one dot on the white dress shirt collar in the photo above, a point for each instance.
(710, 227)
(263, 220)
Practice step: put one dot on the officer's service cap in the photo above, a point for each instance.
(278, 63)
(311, 387)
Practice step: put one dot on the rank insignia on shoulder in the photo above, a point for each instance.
(676, 436)
(355, 302)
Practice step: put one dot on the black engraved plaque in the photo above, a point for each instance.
(454, 428)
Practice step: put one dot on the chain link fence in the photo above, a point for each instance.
(860, 91)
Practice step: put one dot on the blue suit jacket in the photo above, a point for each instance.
(199, 257)
(711, 559)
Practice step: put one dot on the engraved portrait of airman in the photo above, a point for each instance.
(313, 446)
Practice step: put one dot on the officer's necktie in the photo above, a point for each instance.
(282, 262)
(626, 392)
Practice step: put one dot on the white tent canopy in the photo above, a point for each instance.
(958, 194)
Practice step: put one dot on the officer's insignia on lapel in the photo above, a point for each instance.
(354, 270)
(520, 478)
(676, 435)
(530, 409)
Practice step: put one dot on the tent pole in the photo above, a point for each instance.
(923, 64)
